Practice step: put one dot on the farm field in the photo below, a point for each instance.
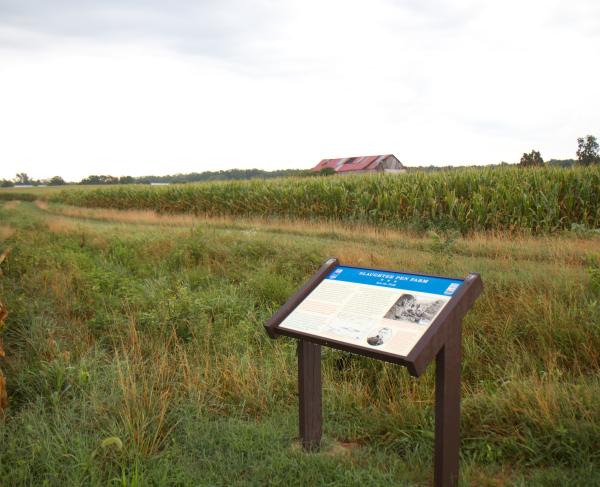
(136, 354)
(509, 199)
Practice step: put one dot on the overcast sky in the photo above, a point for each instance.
(154, 87)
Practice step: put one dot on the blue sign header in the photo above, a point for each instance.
(396, 280)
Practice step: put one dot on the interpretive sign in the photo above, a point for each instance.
(403, 318)
(375, 310)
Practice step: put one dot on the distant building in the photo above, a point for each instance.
(386, 163)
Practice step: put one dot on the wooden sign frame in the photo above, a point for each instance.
(441, 341)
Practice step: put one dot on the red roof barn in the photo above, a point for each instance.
(387, 163)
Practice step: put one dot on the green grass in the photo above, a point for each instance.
(136, 355)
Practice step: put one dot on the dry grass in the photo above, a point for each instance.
(494, 245)
(41, 204)
(128, 216)
(61, 225)
(11, 205)
(300, 226)
(147, 398)
(6, 232)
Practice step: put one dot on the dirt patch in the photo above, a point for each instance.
(332, 448)
(341, 448)
(11, 205)
(6, 232)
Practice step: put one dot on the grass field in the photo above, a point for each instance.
(136, 355)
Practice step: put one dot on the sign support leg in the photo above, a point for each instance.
(447, 412)
(309, 389)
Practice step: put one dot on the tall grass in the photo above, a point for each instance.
(136, 353)
(536, 200)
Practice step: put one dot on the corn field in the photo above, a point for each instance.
(538, 200)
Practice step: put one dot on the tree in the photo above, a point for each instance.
(587, 150)
(95, 179)
(126, 180)
(534, 158)
(6, 183)
(56, 181)
(22, 178)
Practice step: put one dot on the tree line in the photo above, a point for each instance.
(587, 154)
(22, 179)
(99, 179)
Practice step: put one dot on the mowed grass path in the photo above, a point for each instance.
(137, 356)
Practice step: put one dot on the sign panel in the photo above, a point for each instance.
(372, 309)
(407, 319)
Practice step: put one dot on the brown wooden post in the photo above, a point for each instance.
(447, 411)
(309, 389)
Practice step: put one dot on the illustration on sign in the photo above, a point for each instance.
(414, 309)
(381, 310)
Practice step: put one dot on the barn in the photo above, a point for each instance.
(385, 163)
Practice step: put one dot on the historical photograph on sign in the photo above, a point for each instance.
(380, 337)
(414, 309)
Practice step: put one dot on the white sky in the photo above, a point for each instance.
(152, 87)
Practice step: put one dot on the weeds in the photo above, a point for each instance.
(594, 273)
(136, 355)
